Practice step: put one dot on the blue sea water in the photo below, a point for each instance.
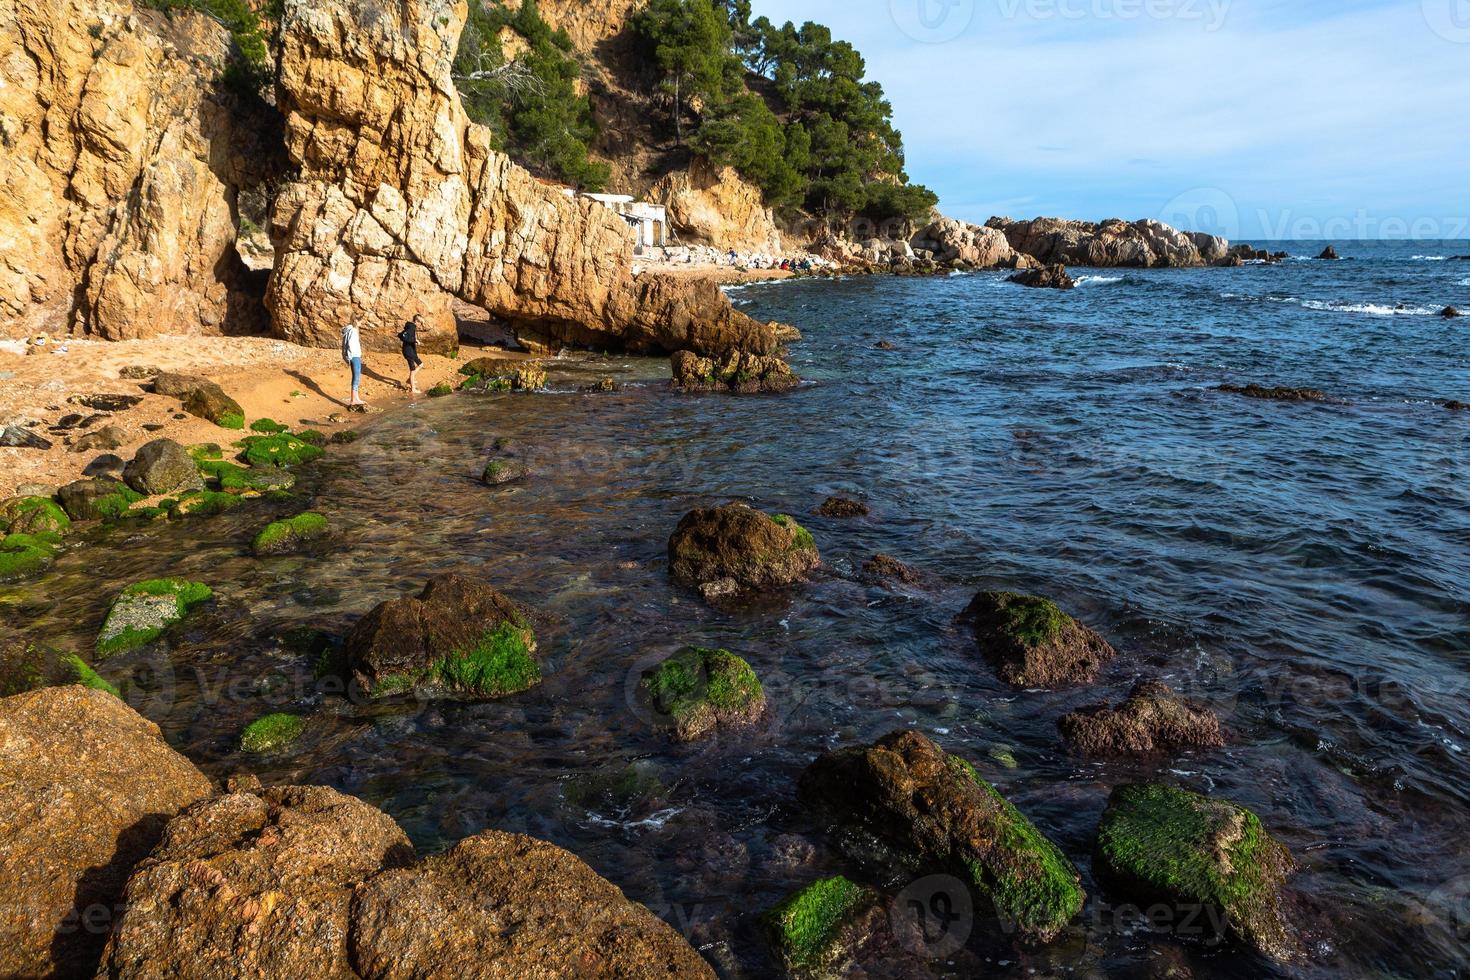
(1302, 568)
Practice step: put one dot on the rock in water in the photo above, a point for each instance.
(163, 467)
(292, 534)
(1140, 244)
(1047, 277)
(95, 500)
(1032, 642)
(457, 638)
(1329, 254)
(817, 930)
(885, 568)
(502, 470)
(86, 786)
(698, 691)
(955, 241)
(907, 792)
(262, 881)
(33, 515)
(729, 549)
(1278, 394)
(840, 507)
(744, 374)
(504, 905)
(1450, 313)
(1158, 844)
(142, 612)
(1153, 719)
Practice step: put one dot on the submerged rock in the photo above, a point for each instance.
(1158, 844)
(911, 795)
(271, 733)
(841, 507)
(143, 611)
(817, 931)
(698, 691)
(284, 537)
(458, 637)
(1276, 394)
(24, 556)
(734, 548)
(886, 568)
(1153, 719)
(1032, 643)
(1047, 277)
(163, 467)
(502, 470)
(740, 373)
(86, 786)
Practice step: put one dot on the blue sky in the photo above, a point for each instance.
(1252, 118)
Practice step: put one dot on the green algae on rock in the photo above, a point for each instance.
(816, 930)
(909, 793)
(24, 556)
(1032, 643)
(500, 471)
(458, 637)
(141, 613)
(283, 537)
(732, 549)
(81, 672)
(234, 478)
(441, 390)
(33, 515)
(271, 733)
(698, 691)
(281, 449)
(1160, 844)
(97, 500)
(204, 503)
(268, 427)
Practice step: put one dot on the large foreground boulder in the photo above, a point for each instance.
(457, 638)
(908, 793)
(1153, 719)
(1162, 845)
(86, 786)
(1032, 643)
(727, 550)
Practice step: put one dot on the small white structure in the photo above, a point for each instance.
(650, 222)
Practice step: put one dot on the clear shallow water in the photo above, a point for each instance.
(1304, 568)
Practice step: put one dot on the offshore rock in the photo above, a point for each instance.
(1115, 242)
(743, 374)
(735, 548)
(1032, 643)
(1153, 719)
(1047, 277)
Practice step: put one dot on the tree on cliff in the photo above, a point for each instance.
(530, 102)
(689, 41)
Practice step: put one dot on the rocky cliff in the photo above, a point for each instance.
(1141, 244)
(401, 204)
(122, 158)
(713, 206)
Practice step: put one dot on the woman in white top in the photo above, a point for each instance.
(352, 357)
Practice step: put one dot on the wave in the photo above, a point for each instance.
(1463, 282)
(1371, 309)
(1430, 258)
(1099, 279)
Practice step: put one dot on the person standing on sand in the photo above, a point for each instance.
(352, 357)
(409, 337)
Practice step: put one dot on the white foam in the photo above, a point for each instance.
(1430, 258)
(1463, 282)
(1081, 280)
(1370, 309)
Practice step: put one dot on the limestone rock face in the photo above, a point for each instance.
(952, 240)
(589, 24)
(122, 163)
(86, 786)
(401, 204)
(714, 206)
(1114, 242)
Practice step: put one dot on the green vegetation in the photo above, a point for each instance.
(204, 503)
(531, 103)
(23, 556)
(33, 515)
(1029, 880)
(80, 672)
(808, 925)
(284, 536)
(1029, 620)
(141, 613)
(268, 427)
(790, 108)
(231, 420)
(233, 478)
(698, 689)
(501, 663)
(278, 450)
(440, 390)
(312, 437)
(271, 733)
(116, 505)
(251, 71)
(802, 539)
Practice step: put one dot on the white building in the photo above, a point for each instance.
(650, 222)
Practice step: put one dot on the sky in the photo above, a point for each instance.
(1255, 119)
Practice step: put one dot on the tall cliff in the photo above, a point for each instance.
(120, 163)
(401, 204)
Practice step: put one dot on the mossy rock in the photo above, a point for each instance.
(33, 515)
(441, 390)
(698, 691)
(24, 556)
(234, 421)
(206, 450)
(1033, 643)
(278, 450)
(234, 478)
(345, 438)
(78, 671)
(1162, 845)
(816, 930)
(735, 549)
(500, 471)
(97, 500)
(268, 427)
(206, 503)
(617, 790)
(143, 611)
(284, 537)
(312, 437)
(934, 808)
(271, 733)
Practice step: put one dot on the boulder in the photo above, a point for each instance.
(257, 883)
(289, 535)
(459, 637)
(885, 568)
(24, 556)
(1457, 406)
(109, 465)
(1032, 643)
(107, 437)
(95, 500)
(33, 515)
(974, 246)
(1162, 845)
(817, 930)
(1114, 242)
(734, 548)
(1276, 394)
(933, 807)
(1450, 313)
(842, 507)
(1048, 277)
(502, 470)
(201, 398)
(86, 787)
(715, 206)
(739, 373)
(698, 691)
(1153, 719)
(144, 611)
(1329, 254)
(163, 467)
(19, 437)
